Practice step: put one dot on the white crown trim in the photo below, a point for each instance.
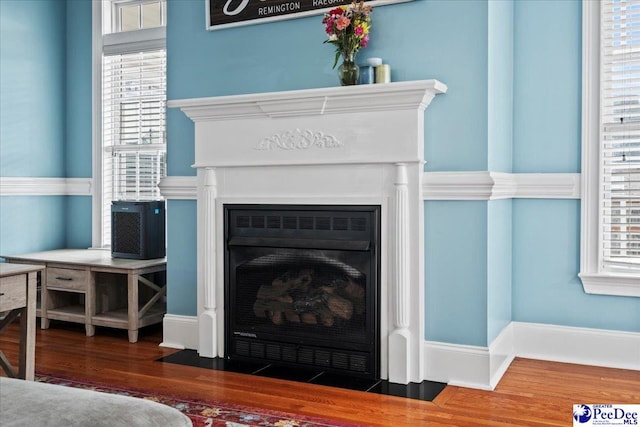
(37, 186)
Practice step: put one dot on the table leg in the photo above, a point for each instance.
(133, 307)
(28, 331)
(44, 301)
(90, 305)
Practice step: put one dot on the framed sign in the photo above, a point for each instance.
(233, 13)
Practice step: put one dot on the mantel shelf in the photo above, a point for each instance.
(412, 95)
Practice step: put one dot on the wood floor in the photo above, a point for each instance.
(531, 393)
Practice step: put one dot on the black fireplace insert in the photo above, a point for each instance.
(302, 286)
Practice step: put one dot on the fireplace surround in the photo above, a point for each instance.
(343, 146)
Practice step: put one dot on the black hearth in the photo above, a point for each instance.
(302, 286)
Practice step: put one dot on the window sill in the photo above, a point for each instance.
(611, 284)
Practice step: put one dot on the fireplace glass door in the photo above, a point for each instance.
(302, 286)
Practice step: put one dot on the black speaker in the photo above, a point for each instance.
(138, 229)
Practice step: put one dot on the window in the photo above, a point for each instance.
(136, 15)
(610, 253)
(130, 147)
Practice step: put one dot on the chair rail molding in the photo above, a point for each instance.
(179, 187)
(484, 185)
(473, 185)
(39, 186)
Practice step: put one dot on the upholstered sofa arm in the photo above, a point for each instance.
(29, 403)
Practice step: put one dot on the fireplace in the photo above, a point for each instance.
(344, 147)
(302, 286)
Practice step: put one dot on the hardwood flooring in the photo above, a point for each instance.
(531, 393)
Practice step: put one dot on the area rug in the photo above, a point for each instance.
(203, 413)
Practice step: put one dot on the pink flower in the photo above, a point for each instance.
(329, 28)
(358, 31)
(364, 41)
(342, 23)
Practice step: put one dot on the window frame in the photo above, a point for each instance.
(110, 43)
(594, 279)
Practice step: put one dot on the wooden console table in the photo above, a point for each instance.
(89, 286)
(18, 298)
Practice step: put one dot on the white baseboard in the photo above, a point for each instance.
(483, 367)
(501, 354)
(461, 365)
(180, 332)
(584, 346)
(469, 366)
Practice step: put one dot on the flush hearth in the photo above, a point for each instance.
(302, 286)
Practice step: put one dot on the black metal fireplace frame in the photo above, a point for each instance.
(337, 230)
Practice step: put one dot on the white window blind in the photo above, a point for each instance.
(620, 135)
(133, 128)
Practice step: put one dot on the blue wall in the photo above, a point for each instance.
(31, 223)
(45, 120)
(500, 86)
(182, 256)
(513, 71)
(546, 233)
(32, 84)
(456, 272)
(499, 159)
(547, 86)
(32, 120)
(78, 148)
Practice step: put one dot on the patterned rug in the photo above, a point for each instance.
(203, 413)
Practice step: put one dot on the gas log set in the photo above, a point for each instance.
(304, 296)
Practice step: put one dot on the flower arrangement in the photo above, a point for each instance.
(348, 28)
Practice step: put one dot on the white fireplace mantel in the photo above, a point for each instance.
(341, 145)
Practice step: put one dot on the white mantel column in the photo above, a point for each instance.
(400, 338)
(207, 325)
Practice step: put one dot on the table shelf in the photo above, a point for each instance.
(119, 318)
(69, 313)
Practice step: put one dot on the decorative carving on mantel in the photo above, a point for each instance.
(298, 139)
